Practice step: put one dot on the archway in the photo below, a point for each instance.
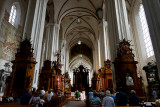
(81, 63)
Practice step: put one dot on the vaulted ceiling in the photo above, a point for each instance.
(68, 12)
(78, 19)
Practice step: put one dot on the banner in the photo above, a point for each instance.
(57, 81)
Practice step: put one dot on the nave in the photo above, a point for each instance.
(56, 47)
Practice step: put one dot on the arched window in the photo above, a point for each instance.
(146, 35)
(12, 16)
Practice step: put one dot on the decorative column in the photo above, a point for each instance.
(37, 33)
(152, 8)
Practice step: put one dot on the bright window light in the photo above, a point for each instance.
(12, 16)
(146, 35)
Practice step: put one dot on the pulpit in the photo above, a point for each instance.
(22, 70)
(106, 75)
(126, 69)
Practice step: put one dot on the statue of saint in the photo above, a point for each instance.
(129, 80)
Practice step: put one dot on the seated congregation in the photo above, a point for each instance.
(39, 98)
(109, 98)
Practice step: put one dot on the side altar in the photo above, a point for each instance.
(22, 71)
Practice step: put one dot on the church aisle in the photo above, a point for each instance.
(75, 104)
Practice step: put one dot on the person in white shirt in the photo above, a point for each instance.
(108, 101)
(43, 91)
(49, 95)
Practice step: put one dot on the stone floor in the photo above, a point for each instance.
(73, 103)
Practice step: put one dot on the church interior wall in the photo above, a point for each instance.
(10, 35)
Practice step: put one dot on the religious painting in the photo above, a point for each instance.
(10, 38)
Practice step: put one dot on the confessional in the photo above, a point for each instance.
(126, 69)
(22, 70)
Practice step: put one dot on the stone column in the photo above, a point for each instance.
(105, 41)
(67, 59)
(117, 23)
(29, 19)
(102, 44)
(37, 33)
(51, 41)
(42, 55)
(63, 55)
(152, 8)
(108, 54)
(99, 54)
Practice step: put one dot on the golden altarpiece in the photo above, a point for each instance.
(22, 70)
(126, 69)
